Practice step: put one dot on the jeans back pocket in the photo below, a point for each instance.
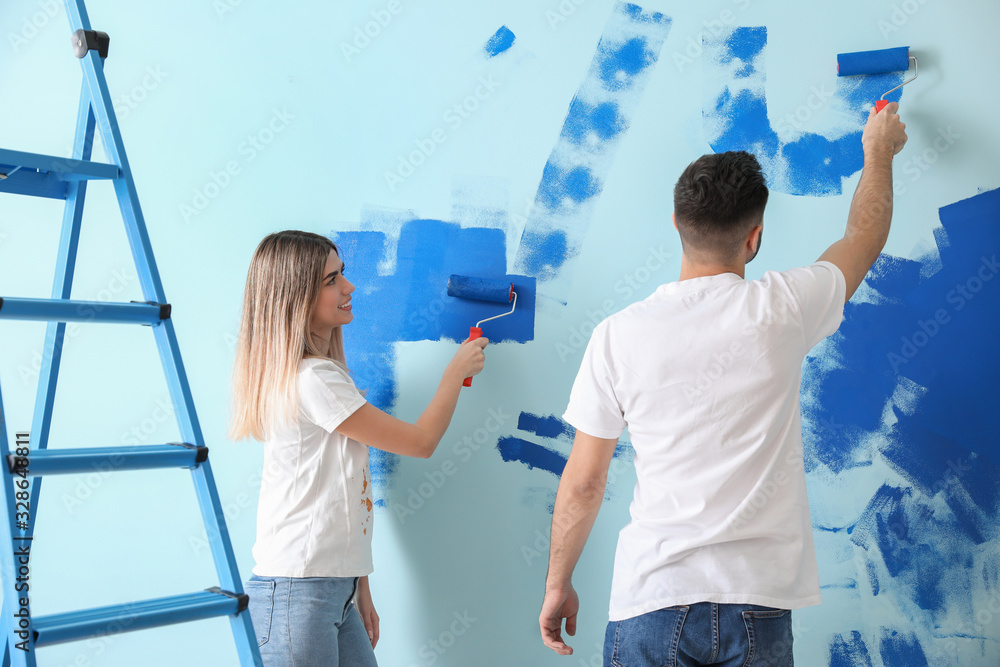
(769, 632)
(261, 607)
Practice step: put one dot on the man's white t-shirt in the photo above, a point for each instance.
(314, 517)
(705, 374)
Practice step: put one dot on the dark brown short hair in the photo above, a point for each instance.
(718, 199)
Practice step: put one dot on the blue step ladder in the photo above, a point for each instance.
(23, 468)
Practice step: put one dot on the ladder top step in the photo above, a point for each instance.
(64, 168)
(76, 625)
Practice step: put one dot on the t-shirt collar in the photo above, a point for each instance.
(699, 283)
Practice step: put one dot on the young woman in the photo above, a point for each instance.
(309, 598)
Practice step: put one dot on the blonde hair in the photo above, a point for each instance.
(283, 284)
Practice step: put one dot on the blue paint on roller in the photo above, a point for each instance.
(501, 40)
(532, 455)
(798, 163)
(547, 427)
(480, 289)
(873, 62)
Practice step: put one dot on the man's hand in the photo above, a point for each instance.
(884, 132)
(557, 605)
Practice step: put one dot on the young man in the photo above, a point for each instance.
(705, 374)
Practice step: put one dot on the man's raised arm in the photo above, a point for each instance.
(871, 209)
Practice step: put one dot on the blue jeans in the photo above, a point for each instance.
(702, 634)
(308, 622)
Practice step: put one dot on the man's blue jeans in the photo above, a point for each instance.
(308, 622)
(702, 634)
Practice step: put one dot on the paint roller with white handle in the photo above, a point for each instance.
(881, 61)
(482, 289)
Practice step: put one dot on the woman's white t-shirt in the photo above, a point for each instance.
(314, 517)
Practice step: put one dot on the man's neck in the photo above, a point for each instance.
(691, 269)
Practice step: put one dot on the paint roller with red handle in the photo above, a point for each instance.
(482, 289)
(881, 61)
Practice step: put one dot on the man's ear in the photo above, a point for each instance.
(673, 218)
(753, 242)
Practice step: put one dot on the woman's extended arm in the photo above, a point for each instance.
(376, 428)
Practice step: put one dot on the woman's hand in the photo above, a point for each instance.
(469, 360)
(366, 608)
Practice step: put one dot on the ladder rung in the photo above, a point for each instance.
(45, 175)
(76, 625)
(140, 457)
(68, 310)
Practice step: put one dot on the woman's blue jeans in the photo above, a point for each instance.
(702, 634)
(308, 622)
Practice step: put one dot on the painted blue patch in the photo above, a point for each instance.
(619, 64)
(547, 252)
(501, 40)
(872, 577)
(746, 43)
(561, 187)
(598, 117)
(901, 649)
(810, 164)
(546, 427)
(923, 346)
(853, 653)
(603, 120)
(532, 455)
(412, 304)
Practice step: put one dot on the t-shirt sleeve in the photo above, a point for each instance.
(594, 407)
(819, 290)
(327, 396)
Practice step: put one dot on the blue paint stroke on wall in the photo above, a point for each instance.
(531, 455)
(900, 649)
(547, 427)
(501, 40)
(412, 303)
(517, 450)
(910, 380)
(735, 114)
(598, 117)
(851, 653)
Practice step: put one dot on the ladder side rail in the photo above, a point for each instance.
(13, 540)
(170, 356)
(202, 477)
(128, 200)
(62, 288)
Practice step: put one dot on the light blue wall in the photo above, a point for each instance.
(195, 80)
